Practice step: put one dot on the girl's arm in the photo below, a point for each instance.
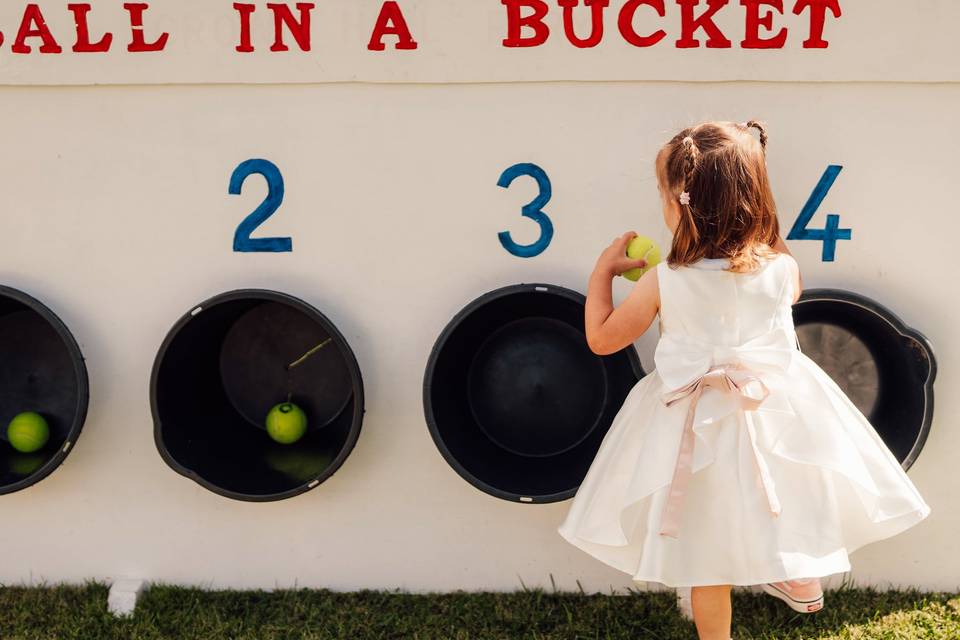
(609, 330)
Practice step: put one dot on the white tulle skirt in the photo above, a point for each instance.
(839, 488)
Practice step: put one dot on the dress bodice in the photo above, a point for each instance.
(709, 315)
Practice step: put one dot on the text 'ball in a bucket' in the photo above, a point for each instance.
(286, 423)
(643, 248)
(28, 432)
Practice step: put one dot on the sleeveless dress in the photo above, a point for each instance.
(738, 460)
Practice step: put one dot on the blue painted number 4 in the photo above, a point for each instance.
(832, 231)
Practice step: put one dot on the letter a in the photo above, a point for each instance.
(34, 26)
(391, 22)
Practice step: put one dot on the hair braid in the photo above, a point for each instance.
(691, 159)
(763, 132)
(690, 163)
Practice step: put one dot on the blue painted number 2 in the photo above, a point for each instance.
(832, 231)
(241, 240)
(534, 210)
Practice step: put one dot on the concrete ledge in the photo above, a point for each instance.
(123, 596)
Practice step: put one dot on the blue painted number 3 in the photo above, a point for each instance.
(241, 240)
(832, 231)
(534, 210)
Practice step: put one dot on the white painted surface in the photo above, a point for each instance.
(461, 41)
(116, 215)
(123, 596)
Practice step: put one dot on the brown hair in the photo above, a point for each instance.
(731, 213)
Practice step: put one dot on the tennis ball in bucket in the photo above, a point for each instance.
(286, 423)
(28, 432)
(644, 248)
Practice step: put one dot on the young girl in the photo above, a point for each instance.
(738, 461)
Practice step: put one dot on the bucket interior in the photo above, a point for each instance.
(41, 370)
(514, 397)
(221, 371)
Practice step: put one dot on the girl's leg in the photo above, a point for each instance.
(712, 612)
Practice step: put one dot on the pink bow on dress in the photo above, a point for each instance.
(688, 367)
(731, 378)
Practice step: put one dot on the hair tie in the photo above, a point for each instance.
(688, 139)
(685, 198)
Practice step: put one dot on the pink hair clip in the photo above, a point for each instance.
(685, 198)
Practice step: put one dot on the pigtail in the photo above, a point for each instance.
(753, 124)
(690, 162)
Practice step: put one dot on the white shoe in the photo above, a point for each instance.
(803, 596)
(685, 602)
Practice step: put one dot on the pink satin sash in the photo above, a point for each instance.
(726, 378)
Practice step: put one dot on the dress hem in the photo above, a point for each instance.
(825, 570)
(780, 577)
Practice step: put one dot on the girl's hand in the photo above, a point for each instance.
(614, 258)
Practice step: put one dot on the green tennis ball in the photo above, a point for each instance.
(643, 248)
(28, 432)
(286, 423)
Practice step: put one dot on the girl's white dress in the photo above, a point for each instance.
(776, 475)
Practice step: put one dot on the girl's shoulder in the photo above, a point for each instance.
(781, 258)
(789, 259)
(722, 265)
(793, 277)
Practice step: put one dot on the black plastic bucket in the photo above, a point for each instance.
(41, 370)
(514, 398)
(886, 368)
(222, 367)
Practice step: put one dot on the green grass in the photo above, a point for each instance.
(79, 612)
